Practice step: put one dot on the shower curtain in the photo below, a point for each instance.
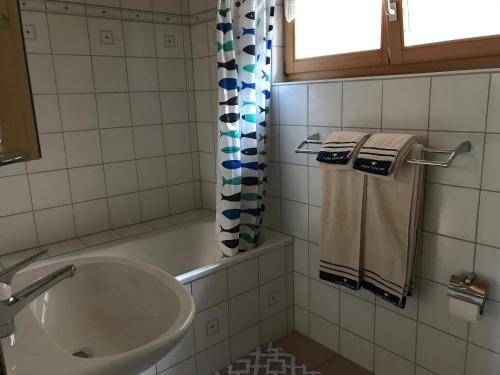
(244, 45)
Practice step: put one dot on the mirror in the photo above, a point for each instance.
(18, 133)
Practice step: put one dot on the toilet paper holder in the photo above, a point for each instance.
(468, 288)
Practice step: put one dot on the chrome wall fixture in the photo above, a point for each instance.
(462, 148)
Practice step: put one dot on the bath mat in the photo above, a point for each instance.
(267, 360)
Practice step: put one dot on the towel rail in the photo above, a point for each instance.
(462, 148)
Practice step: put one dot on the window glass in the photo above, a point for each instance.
(331, 27)
(432, 21)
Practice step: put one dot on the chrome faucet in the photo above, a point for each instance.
(11, 305)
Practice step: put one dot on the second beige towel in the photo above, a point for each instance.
(393, 213)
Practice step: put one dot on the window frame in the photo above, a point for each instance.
(393, 57)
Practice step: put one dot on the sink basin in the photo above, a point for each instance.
(115, 316)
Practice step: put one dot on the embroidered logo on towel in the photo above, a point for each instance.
(340, 157)
(380, 167)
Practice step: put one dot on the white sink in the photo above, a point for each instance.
(115, 316)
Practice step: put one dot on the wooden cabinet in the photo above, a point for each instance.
(18, 133)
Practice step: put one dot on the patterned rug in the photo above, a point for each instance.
(267, 360)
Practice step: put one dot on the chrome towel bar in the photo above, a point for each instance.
(462, 148)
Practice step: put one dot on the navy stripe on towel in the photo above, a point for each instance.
(351, 284)
(391, 298)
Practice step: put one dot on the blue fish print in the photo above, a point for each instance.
(232, 214)
(252, 211)
(228, 83)
(267, 93)
(245, 85)
(224, 27)
(248, 31)
(235, 164)
(235, 213)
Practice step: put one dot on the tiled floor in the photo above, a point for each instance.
(317, 357)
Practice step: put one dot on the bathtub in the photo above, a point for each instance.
(185, 249)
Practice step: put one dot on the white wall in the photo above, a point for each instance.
(114, 104)
(461, 214)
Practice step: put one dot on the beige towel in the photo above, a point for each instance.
(384, 153)
(393, 216)
(342, 209)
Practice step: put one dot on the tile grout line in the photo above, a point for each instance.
(478, 212)
(99, 120)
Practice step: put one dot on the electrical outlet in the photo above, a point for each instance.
(29, 32)
(106, 36)
(212, 326)
(169, 41)
(273, 297)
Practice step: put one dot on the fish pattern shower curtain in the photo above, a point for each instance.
(244, 45)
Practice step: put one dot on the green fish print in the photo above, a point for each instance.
(250, 117)
(248, 103)
(231, 181)
(224, 12)
(230, 149)
(250, 68)
(248, 238)
(251, 226)
(232, 134)
(228, 46)
(249, 196)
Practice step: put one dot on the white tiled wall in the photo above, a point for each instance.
(461, 212)
(114, 100)
(204, 69)
(460, 224)
(237, 309)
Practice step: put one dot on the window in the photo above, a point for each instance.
(18, 135)
(339, 38)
